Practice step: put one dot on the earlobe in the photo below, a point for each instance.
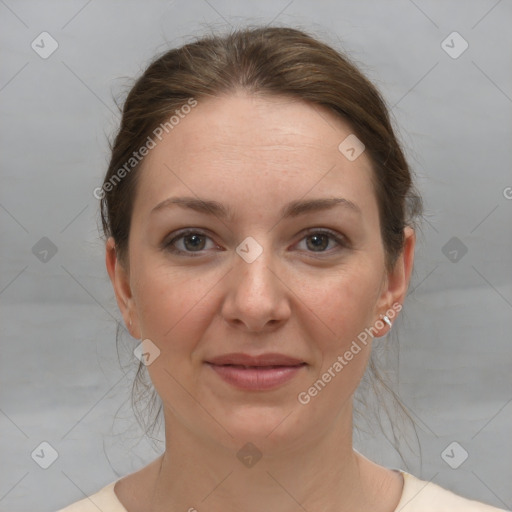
(120, 283)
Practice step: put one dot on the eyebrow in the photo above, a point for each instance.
(293, 209)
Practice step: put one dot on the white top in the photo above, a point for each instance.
(417, 496)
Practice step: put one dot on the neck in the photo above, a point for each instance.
(324, 473)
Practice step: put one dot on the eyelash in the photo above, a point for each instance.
(168, 246)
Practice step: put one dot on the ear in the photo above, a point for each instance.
(397, 281)
(120, 279)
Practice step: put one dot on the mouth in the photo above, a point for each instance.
(256, 361)
(256, 373)
(266, 367)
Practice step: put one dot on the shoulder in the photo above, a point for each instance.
(105, 500)
(423, 496)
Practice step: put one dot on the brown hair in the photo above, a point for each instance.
(268, 60)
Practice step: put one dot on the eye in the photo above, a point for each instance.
(193, 241)
(319, 241)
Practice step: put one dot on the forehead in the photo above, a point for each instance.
(248, 147)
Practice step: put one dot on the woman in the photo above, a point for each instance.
(259, 216)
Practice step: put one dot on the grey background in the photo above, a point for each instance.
(61, 381)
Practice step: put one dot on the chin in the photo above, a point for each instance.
(269, 428)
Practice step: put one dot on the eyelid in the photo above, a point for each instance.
(340, 240)
(167, 244)
(338, 237)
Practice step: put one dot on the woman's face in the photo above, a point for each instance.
(276, 274)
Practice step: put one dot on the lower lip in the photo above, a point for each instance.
(256, 379)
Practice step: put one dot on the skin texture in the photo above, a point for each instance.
(255, 154)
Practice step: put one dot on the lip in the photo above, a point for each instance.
(269, 359)
(256, 373)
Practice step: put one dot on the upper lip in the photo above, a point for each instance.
(261, 360)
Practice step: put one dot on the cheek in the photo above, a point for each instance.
(174, 309)
(172, 303)
(344, 301)
(347, 307)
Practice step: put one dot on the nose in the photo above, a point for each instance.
(257, 298)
